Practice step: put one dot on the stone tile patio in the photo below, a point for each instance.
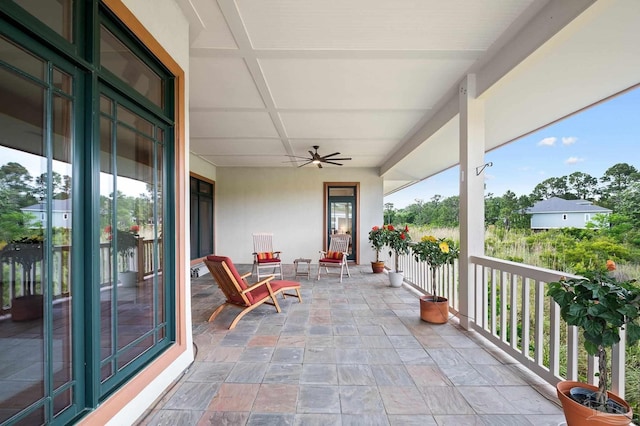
(354, 353)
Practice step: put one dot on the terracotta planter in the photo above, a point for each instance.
(27, 308)
(377, 267)
(579, 415)
(435, 312)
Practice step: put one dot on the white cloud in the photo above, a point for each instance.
(550, 141)
(569, 140)
(573, 160)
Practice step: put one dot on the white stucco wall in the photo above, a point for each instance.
(165, 21)
(289, 203)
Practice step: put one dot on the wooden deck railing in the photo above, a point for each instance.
(16, 280)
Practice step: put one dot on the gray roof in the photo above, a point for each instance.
(56, 205)
(560, 205)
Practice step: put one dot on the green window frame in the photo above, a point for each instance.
(80, 58)
(202, 217)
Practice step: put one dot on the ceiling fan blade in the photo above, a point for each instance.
(330, 155)
(308, 162)
(318, 159)
(340, 159)
(295, 156)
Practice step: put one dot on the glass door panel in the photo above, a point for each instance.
(132, 294)
(61, 233)
(158, 265)
(342, 215)
(36, 115)
(201, 218)
(57, 15)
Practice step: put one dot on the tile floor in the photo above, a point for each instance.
(354, 353)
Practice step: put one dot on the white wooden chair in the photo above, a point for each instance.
(264, 258)
(336, 256)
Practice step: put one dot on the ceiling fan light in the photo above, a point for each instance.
(316, 161)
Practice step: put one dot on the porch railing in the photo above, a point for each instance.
(513, 311)
(418, 275)
(16, 280)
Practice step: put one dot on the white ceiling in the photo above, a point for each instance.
(377, 80)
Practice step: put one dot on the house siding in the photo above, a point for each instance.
(560, 213)
(556, 220)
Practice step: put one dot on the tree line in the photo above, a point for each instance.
(617, 189)
(19, 189)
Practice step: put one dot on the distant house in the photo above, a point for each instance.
(560, 213)
(61, 214)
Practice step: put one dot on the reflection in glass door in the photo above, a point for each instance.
(132, 295)
(36, 339)
(341, 215)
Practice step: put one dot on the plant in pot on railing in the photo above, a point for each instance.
(126, 243)
(398, 242)
(599, 305)
(27, 252)
(377, 239)
(437, 252)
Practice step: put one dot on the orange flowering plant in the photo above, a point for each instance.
(436, 252)
(398, 242)
(599, 305)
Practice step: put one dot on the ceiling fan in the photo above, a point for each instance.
(317, 159)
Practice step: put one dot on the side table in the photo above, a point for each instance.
(302, 272)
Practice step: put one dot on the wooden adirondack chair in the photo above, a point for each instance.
(241, 294)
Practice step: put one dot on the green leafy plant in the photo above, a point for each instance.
(398, 242)
(26, 251)
(436, 252)
(377, 239)
(599, 306)
(126, 242)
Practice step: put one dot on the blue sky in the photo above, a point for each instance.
(588, 142)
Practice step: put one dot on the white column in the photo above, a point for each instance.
(471, 193)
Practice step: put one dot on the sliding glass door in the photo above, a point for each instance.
(87, 297)
(37, 360)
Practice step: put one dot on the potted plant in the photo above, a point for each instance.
(377, 240)
(436, 252)
(26, 251)
(599, 305)
(126, 243)
(398, 243)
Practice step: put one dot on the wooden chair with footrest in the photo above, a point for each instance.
(240, 293)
